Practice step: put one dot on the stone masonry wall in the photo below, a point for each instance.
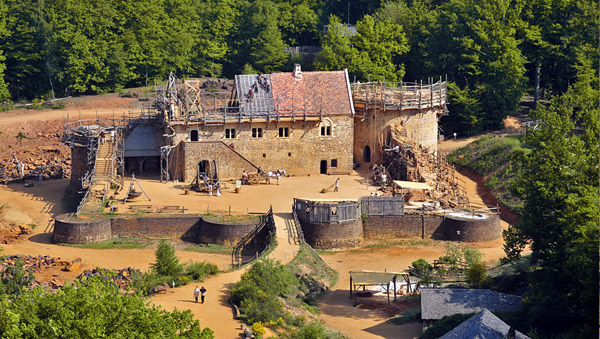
(78, 169)
(71, 231)
(420, 127)
(407, 226)
(183, 227)
(188, 228)
(473, 230)
(223, 234)
(300, 153)
(334, 235)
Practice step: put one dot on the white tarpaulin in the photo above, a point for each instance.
(412, 184)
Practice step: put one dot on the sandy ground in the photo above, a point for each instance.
(38, 205)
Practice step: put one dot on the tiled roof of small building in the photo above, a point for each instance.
(483, 325)
(439, 302)
(315, 93)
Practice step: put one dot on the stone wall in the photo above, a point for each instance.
(300, 153)
(73, 231)
(183, 227)
(469, 230)
(334, 235)
(422, 127)
(189, 228)
(78, 169)
(223, 234)
(407, 226)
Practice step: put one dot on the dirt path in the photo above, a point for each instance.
(216, 312)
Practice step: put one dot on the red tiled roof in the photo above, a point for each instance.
(316, 92)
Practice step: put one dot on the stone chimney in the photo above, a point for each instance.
(297, 72)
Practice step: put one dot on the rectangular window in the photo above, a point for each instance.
(257, 132)
(333, 162)
(284, 132)
(325, 131)
(230, 133)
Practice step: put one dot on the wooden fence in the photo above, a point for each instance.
(382, 206)
(327, 212)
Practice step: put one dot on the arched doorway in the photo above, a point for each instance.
(194, 135)
(367, 154)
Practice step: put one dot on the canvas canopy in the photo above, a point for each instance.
(412, 184)
(366, 278)
(372, 277)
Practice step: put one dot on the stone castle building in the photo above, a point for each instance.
(300, 122)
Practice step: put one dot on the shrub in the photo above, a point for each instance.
(472, 256)
(167, 263)
(477, 277)
(200, 270)
(258, 328)
(421, 266)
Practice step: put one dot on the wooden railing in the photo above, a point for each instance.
(267, 221)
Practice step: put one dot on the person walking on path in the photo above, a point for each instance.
(197, 293)
(203, 293)
(337, 185)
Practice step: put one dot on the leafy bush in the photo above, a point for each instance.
(200, 270)
(421, 266)
(92, 308)
(471, 255)
(477, 277)
(15, 278)
(257, 291)
(167, 263)
(258, 328)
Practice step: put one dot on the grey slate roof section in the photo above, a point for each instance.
(262, 101)
(144, 141)
(439, 302)
(483, 325)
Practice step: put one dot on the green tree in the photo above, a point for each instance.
(558, 183)
(475, 43)
(91, 308)
(337, 51)
(167, 263)
(379, 44)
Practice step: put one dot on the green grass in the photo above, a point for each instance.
(490, 156)
(120, 243)
(231, 219)
(209, 248)
(406, 316)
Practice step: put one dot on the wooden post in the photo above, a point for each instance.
(388, 291)
(395, 278)
(350, 287)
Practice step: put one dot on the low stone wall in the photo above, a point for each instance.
(189, 228)
(333, 235)
(407, 226)
(223, 234)
(183, 227)
(74, 231)
(469, 230)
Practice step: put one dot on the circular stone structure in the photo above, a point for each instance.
(472, 227)
(70, 230)
(330, 224)
(224, 233)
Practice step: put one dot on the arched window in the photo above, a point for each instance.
(367, 154)
(325, 128)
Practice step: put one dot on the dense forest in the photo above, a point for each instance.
(492, 51)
